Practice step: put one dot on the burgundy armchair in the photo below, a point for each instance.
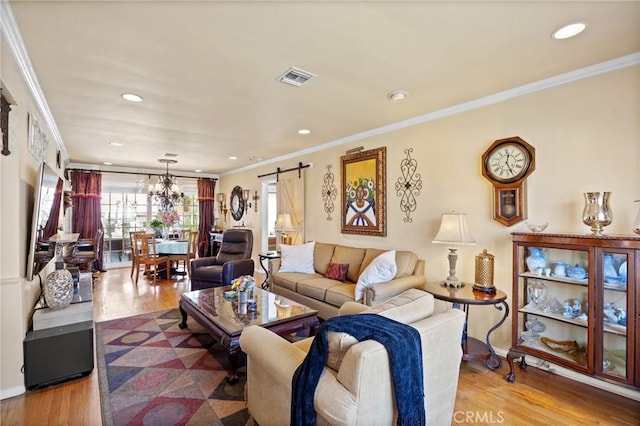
(233, 260)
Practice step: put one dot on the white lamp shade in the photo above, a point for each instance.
(454, 229)
(284, 222)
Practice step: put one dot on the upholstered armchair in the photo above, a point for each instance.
(233, 260)
(85, 252)
(356, 386)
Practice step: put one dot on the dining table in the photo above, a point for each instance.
(169, 247)
(172, 247)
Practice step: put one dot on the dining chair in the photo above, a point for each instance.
(148, 257)
(135, 250)
(192, 250)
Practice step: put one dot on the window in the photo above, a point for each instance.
(125, 208)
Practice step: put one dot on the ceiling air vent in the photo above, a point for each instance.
(295, 77)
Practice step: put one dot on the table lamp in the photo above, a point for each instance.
(284, 225)
(454, 230)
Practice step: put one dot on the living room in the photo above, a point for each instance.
(583, 123)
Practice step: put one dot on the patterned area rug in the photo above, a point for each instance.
(153, 373)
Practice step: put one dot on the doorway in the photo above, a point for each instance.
(270, 206)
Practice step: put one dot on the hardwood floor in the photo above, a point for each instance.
(484, 397)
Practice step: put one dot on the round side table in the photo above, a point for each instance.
(462, 298)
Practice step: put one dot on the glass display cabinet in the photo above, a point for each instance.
(576, 304)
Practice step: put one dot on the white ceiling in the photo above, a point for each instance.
(207, 69)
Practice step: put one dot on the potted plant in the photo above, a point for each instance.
(156, 225)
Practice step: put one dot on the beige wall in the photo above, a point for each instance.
(586, 136)
(18, 172)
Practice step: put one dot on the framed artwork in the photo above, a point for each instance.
(364, 193)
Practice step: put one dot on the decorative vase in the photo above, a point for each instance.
(535, 259)
(597, 212)
(58, 289)
(607, 266)
(538, 293)
(243, 296)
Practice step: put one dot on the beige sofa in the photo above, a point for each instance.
(355, 387)
(327, 296)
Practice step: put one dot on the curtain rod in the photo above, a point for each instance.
(134, 173)
(279, 170)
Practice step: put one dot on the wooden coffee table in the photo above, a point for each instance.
(224, 319)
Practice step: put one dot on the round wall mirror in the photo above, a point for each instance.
(237, 203)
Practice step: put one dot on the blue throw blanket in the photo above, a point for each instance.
(401, 341)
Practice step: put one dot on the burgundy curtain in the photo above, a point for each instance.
(51, 227)
(86, 189)
(207, 204)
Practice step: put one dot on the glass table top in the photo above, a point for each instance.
(232, 316)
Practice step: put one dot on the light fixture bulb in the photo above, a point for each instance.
(397, 95)
(131, 97)
(304, 131)
(569, 31)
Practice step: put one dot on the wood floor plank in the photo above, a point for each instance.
(536, 398)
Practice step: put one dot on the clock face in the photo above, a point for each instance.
(237, 203)
(507, 162)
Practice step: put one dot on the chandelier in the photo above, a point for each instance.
(166, 191)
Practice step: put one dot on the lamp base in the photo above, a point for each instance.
(483, 289)
(452, 283)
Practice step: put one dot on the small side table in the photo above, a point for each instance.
(465, 296)
(270, 255)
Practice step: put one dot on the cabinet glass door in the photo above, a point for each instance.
(553, 304)
(612, 359)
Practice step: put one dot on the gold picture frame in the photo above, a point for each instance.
(363, 192)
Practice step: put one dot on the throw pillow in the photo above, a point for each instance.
(337, 271)
(298, 258)
(381, 269)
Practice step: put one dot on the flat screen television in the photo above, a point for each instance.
(42, 205)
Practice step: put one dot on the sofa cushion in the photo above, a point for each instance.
(315, 287)
(298, 258)
(337, 271)
(289, 280)
(322, 254)
(406, 262)
(351, 255)
(369, 255)
(339, 294)
(382, 269)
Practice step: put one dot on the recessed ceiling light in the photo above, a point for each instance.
(397, 95)
(233, 157)
(106, 163)
(131, 97)
(115, 144)
(198, 171)
(304, 131)
(569, 31)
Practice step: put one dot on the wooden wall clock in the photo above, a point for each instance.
(506, 164)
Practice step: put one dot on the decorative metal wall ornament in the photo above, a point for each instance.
(329, 192)
(408, 185)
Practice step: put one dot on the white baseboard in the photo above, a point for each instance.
(574, 375)
(11, 392)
